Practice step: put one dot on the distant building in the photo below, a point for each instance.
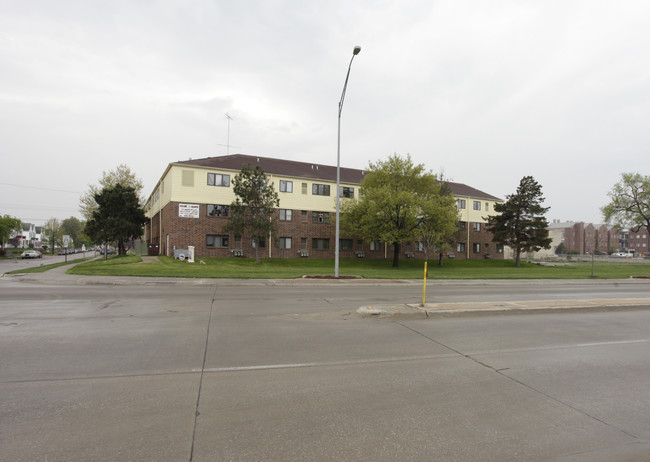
(637, 241)
(190, 204)
(599, 239)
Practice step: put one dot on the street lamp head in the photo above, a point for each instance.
(356, 51)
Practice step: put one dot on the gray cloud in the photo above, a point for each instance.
(488, 91)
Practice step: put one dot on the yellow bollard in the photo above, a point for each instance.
(424, 288)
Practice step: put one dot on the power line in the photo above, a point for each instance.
(42, 189)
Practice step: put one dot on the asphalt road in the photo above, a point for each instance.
(177, 372)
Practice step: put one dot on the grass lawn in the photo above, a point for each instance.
(289, 268)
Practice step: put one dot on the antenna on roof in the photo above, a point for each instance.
(228, 145)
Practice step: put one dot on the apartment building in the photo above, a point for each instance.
(190, 205)
(590, 238)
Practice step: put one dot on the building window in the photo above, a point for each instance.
(303, 243)
(347, 192)
(212, 240)
(318, 243)
(217, 179)
(461, 203)
(460, 247)
(286, 215)
(499, 248)
(477, 226)
(303, 216)
(375, 245)
(217, 210)
(346, 244)
(285, 242)
(487, 206)
(259, 242)
(418, 246)
(304, 188)
(286, 186)
(320, 189)
(238, 242)
(320, 217)
(476, 247)
(477, 205)
(462, 225)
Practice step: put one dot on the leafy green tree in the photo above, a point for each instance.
(121, 175)
(560, 249)
(629, 206)
(520, 222)
(8, 226)
(253, 209)
(73, 227)
(438, 228)
(118, 218)
(398, 202)
(52, 235)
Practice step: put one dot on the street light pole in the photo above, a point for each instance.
(355, 52)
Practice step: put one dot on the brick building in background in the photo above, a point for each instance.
(590, 238)
(190, 205)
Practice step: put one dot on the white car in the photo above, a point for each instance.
(31, 254)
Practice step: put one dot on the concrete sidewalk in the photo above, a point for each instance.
(455, 309)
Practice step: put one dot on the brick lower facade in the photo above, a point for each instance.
(168, 231)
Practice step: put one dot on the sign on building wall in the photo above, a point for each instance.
(188, 210)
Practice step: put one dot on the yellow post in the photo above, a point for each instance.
(424, 288)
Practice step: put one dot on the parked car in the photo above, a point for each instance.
(31, 254)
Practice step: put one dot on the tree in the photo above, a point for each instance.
(520, 222)
(8, 226)
(253, 209)
(440, 225)
(73, 227)
(118, 218)
(52, 233)
(121, 175)
(630, 203)
(399, 202)
(560, 249)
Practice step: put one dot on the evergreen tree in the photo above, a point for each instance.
(253, 209)
(118, 218)
(520, 222)
(121, 175)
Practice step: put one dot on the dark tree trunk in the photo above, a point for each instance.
(396, 255)
(518, 257)
(440, 259)
(257, 251)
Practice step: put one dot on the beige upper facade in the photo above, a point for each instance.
(300, 186)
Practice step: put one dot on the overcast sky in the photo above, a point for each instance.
(486, 91)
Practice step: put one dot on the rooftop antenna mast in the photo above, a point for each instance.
(228, 145)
